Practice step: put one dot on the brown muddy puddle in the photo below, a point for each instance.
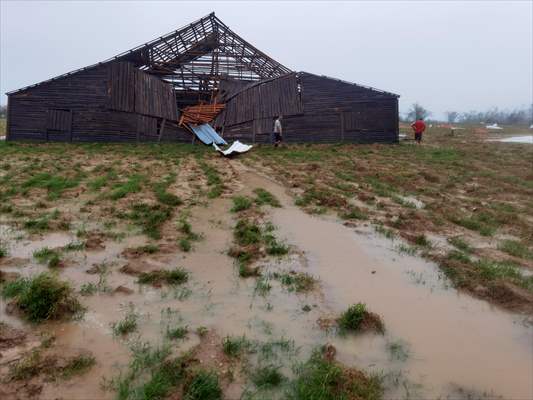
(450, 340)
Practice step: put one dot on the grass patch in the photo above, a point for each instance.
(97, 183)
(132, 185)
(176, 276)
(482, 222)
(150, 218)
(267, 377)
(162, 195)
(234, 346)
(247, 232)
(78, 365)
(203, 385)
(49, 256)
(320, 379)
(150, 375)
(213, 180)
(264, 197)
(37, 224)
(179, 332)
(75, 246)
(88, 289)
(354, 213)
(273, 247)
(262, 286)
(356, 319)
(3, 251)
(55, 185)
(241, 203)
(127, 325)
(460, 243)
(422, 241)
(492, 270)
(388, 233)
(43, 297)
(516, 249)
(296, 281)
(185, 245)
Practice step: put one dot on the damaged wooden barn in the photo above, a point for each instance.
(201, 73)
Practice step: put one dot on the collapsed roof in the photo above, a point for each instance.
(195, 57)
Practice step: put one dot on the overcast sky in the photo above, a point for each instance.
(459, 55)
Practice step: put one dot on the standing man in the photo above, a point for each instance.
(278, 131)
(419, 127)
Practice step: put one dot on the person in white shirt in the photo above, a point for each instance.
(278, 131)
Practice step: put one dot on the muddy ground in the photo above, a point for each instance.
(196, 273)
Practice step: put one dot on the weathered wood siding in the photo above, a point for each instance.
(96, 104)
(263, 100)
(330, 111)
(135, 91)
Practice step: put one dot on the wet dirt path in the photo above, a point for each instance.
(453, 340)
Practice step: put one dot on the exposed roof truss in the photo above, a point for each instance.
(196, 56)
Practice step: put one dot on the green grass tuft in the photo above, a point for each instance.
(150, 218)
(132, 185)
(179, 332)
(516, 249)
(176, 276)
(319, 379)
(267, 377)
(77, 365)
(241, 203)
(247, 232)
(354, 213)
(296, 281)
(43, 297)
(55, 185)
(352, 318)
(204, 385)
(460, 243)
(234, 346)
(185, 244)
(264, 197)
(127, 325)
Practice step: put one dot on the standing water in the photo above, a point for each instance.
(452, 341)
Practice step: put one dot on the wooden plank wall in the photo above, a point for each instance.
(136, 91)
(333, 111)
(86, 95)
(154, 97)
(228, 87)
(85, 90)
(121, 86)
(263, 100)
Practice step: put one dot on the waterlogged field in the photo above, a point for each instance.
(303, 272)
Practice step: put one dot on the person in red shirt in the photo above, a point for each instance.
(419, 127)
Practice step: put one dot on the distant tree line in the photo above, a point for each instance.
(519, 116)
(522, 116)
(3, 111)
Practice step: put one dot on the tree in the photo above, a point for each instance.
(452, 116)
(417, 111)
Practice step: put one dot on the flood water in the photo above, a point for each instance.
(452, 340)
(515, 139)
